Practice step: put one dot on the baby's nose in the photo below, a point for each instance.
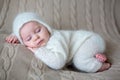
(36, 37)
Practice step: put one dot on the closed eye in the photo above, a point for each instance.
(37, 30)
(28, 38)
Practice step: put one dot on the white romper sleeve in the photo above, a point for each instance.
(54, 54)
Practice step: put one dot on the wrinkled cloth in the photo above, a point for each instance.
(99, 16)
(79, 47)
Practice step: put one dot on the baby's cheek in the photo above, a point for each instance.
(43, 44)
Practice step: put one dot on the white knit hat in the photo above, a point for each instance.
(23, 18)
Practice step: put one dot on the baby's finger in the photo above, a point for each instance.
(10, 39)
(7, 38)
(17, 41)
(14, 40)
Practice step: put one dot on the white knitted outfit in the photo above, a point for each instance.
(79, 47)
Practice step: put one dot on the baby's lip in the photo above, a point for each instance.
(40, 42)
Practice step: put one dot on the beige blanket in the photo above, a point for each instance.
(100, 16)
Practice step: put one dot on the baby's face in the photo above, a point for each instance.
(34, 35)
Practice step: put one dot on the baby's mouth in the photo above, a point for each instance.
(41, 42)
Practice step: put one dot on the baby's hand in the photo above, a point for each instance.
(32, 49)
(12, 39)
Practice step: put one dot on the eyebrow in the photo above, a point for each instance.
(38, 26)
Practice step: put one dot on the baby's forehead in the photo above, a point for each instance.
(29, 26)
(33, 22)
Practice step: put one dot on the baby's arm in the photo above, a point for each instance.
(12, 39)
(54, 54)
(55, 60)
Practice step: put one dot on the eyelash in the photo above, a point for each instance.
(29, 38)
(38, 30)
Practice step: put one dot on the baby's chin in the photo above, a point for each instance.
(42, 45)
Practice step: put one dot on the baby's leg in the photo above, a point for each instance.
(85, 58)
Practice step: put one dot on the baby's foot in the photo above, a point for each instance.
(105, 66)
(101, 57)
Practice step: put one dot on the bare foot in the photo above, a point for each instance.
(105, 66)
(101, 57)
